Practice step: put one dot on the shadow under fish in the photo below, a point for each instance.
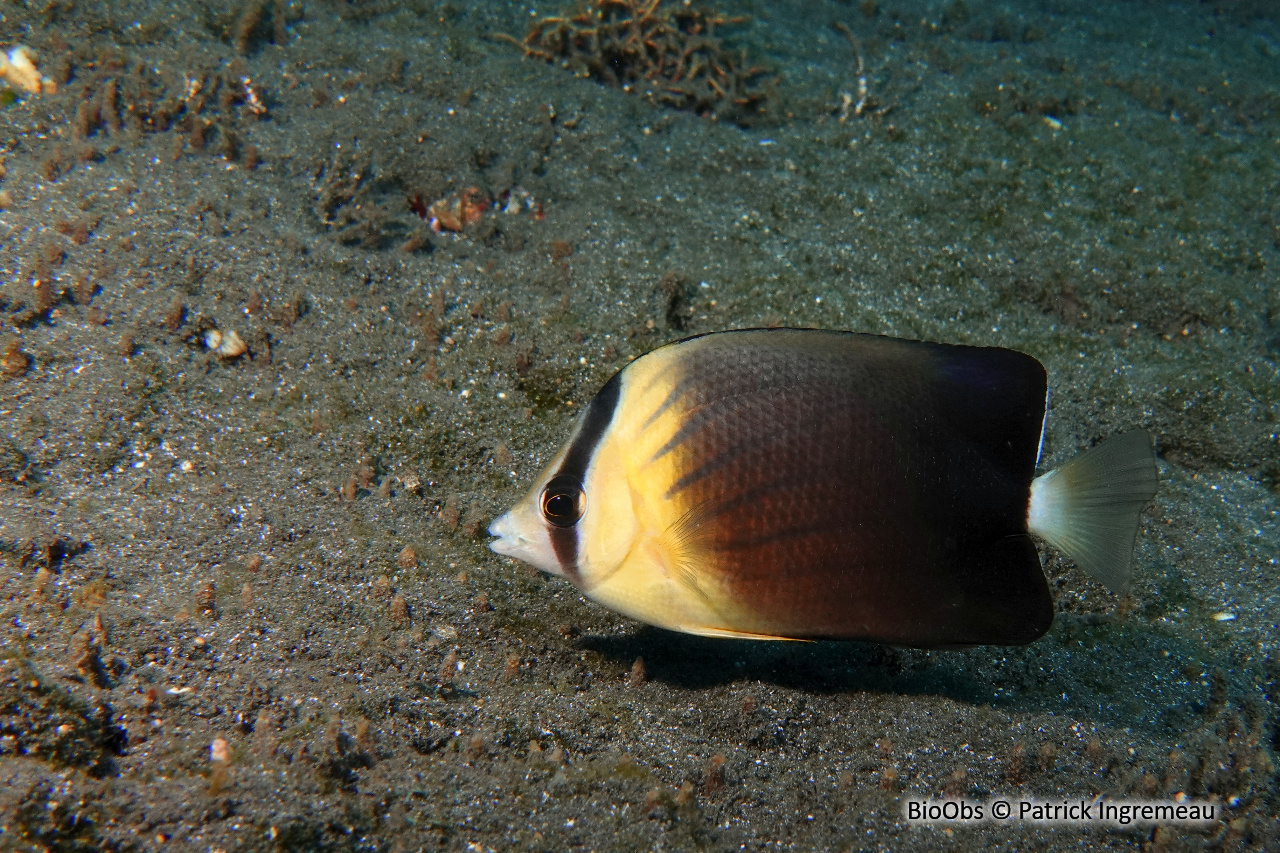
(804, 484)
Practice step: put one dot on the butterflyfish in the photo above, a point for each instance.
(805, 484)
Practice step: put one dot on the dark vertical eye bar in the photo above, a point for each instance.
(573, 470)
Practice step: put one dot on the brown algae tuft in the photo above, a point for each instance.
(669, 54)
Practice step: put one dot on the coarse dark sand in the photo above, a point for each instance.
(247, 600)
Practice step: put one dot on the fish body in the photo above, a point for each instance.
(797, 484)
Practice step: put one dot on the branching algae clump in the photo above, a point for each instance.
(669, 55)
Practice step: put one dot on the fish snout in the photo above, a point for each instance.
(507, 540)
(522, 537)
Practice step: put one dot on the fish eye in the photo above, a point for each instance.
(563, 502)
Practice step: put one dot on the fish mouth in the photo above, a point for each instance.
(516, 538)
(506, 542)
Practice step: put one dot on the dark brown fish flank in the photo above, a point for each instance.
(711, 525)
(826, 467)
(802, 460)
(755, 501)
(696, 386)
(709, 366)
(724, 394)
(721, 435)
(809, 554)
(712, 415)
(801, 404)
(673, 396)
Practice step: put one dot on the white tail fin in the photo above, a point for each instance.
(1089, 508)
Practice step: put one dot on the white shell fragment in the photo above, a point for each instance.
(1223, 616)
(18, 68)
(225, 344)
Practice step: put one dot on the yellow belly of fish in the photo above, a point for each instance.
(635, 559)
(648, 586)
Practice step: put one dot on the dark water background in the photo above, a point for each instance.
(205, 552)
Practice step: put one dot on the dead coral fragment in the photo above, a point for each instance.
(18, 68)
(670, 55)
(454, 212)
(226, 345)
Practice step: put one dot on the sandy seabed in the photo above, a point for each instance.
(247, 599)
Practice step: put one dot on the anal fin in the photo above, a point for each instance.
(724, 633)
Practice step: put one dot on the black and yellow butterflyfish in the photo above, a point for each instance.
(803, 484)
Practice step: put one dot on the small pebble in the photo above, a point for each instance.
(713, 775)
(449, 667)
(638, 675)
(1048, 756)
(449, 513)
(205, 598)
(399, 609)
